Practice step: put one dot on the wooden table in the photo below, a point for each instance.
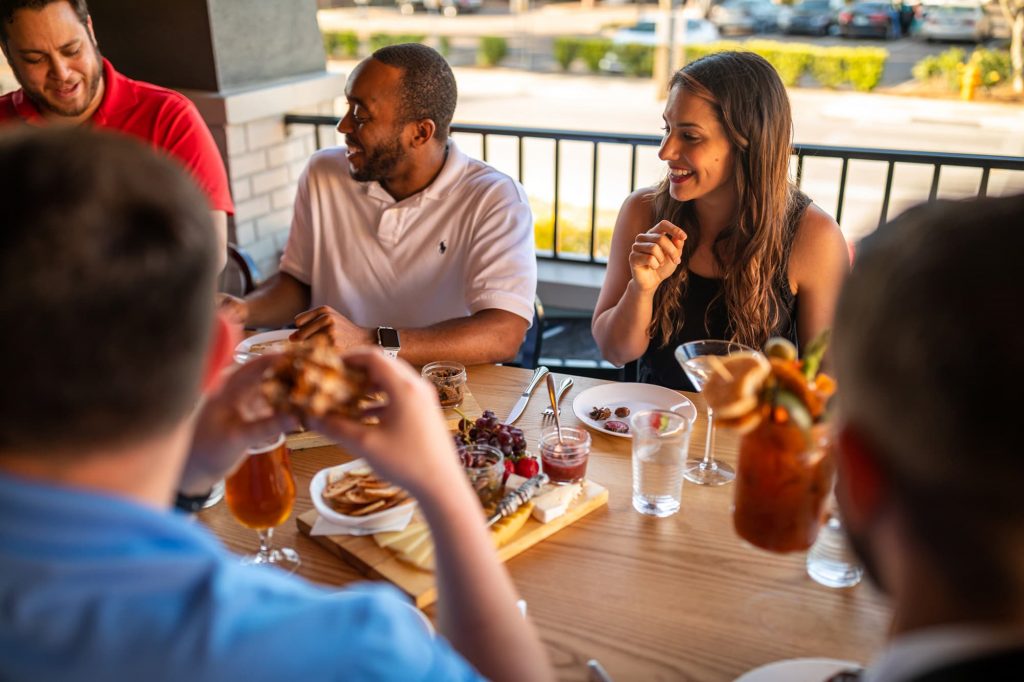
(679, 598)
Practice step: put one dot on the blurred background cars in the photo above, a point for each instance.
(744, 16)
(448, 8)
(869, 19)
(810, 17)
(652, 30)
(967, 23)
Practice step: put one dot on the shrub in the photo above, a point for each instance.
(341, 44)
(592, 51)
(637, 60)
(565, 51)
(790, 60)
(491, 51)
(444, 46)
(828, 67)
(865, 66)
(995, 65)
(379, 40)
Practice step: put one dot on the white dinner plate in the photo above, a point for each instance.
(242, 350)
(634, 396)
(798, 670)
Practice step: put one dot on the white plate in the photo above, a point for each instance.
(242, 352)
(383, 519)
(634, 396)
(798, 670)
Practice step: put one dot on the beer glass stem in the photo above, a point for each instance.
(266, 538)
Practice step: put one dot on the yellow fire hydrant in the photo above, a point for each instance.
(970, 80)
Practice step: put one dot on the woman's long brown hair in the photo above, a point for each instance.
(752, 252)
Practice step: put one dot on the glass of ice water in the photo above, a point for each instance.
(661, 440)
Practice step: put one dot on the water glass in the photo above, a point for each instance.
(831, 561)
(661, 440)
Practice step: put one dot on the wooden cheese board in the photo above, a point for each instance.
(311, 439)
(379, 563)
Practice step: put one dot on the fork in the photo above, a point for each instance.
(563, 388)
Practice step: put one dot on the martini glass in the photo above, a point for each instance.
(693, 357)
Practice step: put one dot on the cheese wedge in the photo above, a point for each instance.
(512, 482)
(592, 490)
(422, 557)
(555, 503)
(389, 538)
(506, 528)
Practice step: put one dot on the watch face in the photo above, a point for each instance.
(387, 337)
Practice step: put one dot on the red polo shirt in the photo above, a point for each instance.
(166, 119)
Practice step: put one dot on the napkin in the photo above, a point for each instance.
(324, 527)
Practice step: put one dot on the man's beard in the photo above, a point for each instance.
(91, 83)
(380, 164)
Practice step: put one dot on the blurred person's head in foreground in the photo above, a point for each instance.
(401, 101)
(929, 353)
(107, 274)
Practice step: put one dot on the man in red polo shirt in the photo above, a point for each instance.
(52, 50)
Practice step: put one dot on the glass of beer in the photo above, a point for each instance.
(260, 495)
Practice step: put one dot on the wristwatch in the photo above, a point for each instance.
(387, 339)
(191, 504)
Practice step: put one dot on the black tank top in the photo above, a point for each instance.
(706, 316)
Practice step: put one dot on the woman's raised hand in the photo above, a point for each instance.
(656, 254)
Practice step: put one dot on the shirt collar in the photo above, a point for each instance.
(449, 177)
(116, 96)
(919, 652)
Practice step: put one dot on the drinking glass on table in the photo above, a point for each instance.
(260, 495)
(660, 442)
(694, 359)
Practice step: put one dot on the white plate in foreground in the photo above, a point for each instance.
(243, 351)
(798, 670)
(634, 396)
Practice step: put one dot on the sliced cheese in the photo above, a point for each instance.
(555, 503)
(506, 528)
(513, 481)
(421, 557)
(412, 541)
(389, 538)
(592, 490)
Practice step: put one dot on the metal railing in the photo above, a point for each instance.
(801, 153)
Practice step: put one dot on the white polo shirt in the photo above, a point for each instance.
(462, 245)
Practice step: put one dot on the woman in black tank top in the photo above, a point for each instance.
(725, 247)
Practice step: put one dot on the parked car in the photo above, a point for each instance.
(871, 19)
(689, 31)
(968, 23)
(744, 16)
(448, 8)
(812, 17)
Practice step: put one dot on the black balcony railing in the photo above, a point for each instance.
(801, 152)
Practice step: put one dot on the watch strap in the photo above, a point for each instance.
(191, 503)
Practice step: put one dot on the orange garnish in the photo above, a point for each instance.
(789, 376)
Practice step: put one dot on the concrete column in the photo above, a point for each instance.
(245, 63)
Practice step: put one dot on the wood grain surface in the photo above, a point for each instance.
(679, 598)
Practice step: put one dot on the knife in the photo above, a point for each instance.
(517, 498)
(517, 409)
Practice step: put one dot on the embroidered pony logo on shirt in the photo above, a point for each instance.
(442, 247)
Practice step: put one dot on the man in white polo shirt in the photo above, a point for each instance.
(400, 239)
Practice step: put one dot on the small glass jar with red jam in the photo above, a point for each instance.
(565, 462)
(449, 378)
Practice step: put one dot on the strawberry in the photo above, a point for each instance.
(510, 468)
(527, 467)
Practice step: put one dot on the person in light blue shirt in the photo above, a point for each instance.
(107, 278)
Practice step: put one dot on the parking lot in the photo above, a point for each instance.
(531, 34)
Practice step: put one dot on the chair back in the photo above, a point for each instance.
(529, 352)
(240, 275)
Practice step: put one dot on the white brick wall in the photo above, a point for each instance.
(265, 159)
